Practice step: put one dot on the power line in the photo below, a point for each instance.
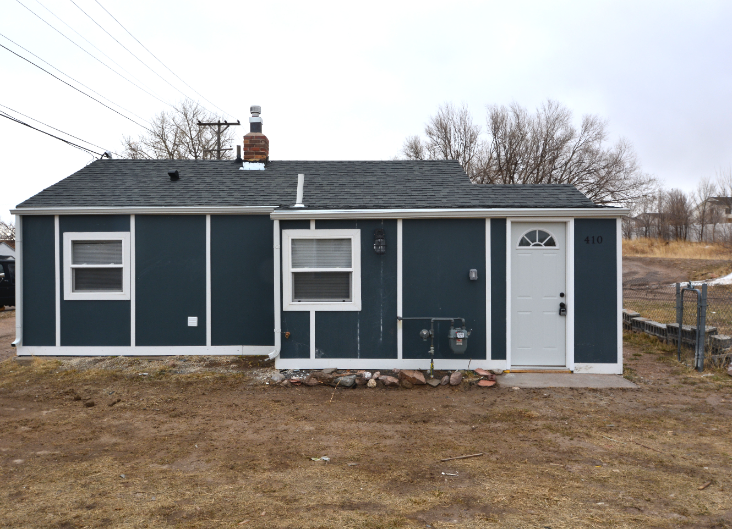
(77, 82)
(161, 62)
(91, 44)
(54, 128)
(81, 148)
(80, 91)
(127, 49)
(91, 55)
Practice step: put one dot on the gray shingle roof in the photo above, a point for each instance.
(328, 185)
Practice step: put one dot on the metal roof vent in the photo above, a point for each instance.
(174, 175)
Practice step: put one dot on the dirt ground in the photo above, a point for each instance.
(215, 446)
(660, 270)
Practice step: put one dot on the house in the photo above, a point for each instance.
(7, 248)
(346, 264)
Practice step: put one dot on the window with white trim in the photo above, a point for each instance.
(536, 238)
(321, 270)
(96, 265)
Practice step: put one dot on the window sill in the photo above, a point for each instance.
(324, 306)
(96, 296)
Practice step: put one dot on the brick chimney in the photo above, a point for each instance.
(256, 144)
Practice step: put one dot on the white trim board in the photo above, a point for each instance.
(148, 210)
(400, 294)
(619, 271)
(609, 213)
(208, 280)
(133, 306)
(57, 277)
(488, 346)
(173, 350)
(386, 363)
(18, 280)
(599, 369)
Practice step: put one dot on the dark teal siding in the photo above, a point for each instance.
(298, 325)
(170, 279)
(371, 332)
(498, 289)
(242, 279)
(93, 322)
(437, 256)
(595, 291)
(39, 280)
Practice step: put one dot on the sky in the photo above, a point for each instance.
(350, 80)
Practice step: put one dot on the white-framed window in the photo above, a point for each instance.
(537, 238)
(321, 270)
(96, 265)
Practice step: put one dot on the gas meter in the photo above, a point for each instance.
(458, 339)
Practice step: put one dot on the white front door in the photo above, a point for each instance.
(538, 288)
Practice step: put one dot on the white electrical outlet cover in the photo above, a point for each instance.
(193, 321)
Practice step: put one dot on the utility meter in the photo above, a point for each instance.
(458, 339)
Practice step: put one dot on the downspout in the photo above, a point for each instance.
(277, 298)
(18, 281)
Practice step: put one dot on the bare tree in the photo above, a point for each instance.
(679, 211)
(7, 231)
(176, 135)
(703, 208)
(540, 148)
(451, 135)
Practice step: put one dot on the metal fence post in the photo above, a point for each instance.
(679, 318)
(702, 327)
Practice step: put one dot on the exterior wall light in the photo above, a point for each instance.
(379, 241)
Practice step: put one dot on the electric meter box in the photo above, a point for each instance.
(458, 339)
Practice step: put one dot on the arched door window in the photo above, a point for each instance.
(536, 238)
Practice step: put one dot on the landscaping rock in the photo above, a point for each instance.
(497, 371)
(434, 382)
(345, 382)
(89, 404)
(406, 384)
(456, 378)
(371, 383)
(285, 383)
(413, 377)
(389, 381)
(729, 371)
(361, 381)
(486, 383)
(325, 378)
(328, 370)
(482, 372)
(376, 375)
(445, 380)
(310, 380)
(278, 377)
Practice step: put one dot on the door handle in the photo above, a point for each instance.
(562, 309)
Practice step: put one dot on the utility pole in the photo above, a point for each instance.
(219, 131)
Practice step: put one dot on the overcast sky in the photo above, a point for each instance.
(349, 80)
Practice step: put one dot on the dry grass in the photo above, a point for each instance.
(226, 450)
(643, 247)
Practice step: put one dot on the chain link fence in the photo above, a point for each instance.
(652, 309)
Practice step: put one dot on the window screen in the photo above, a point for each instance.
(321, 253)
(97, 279)
(96, 252)
(321, 286)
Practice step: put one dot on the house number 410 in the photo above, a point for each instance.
(594, 240)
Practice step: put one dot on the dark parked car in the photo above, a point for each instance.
(7, 281)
